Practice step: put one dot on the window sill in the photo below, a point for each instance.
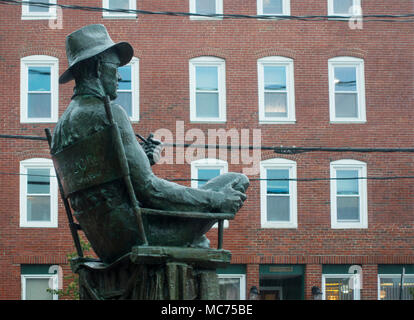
(134, 16)
(348, 121)
(277, 122)
(36, 17)
(275, 225)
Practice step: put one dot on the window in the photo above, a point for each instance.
(36, 280)
(341, 286)
(119, 4)
(389, 287)
(232, 286)
(203, 170)
(207, 90)
(276, 90)
(278, 193)
(206, 7)
(349, 194)
(39, 89)
(346, 90)
(36, 12)
(273, 7)
(128, 90)
(38, 194)
(344, 8)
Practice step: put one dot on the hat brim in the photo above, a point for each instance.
(124, 51)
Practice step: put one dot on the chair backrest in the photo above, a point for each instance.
(89, 162)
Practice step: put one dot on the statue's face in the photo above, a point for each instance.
(109, 73)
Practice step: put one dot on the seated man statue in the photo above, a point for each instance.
(103, 211)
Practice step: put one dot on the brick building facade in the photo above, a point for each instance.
(328, 228)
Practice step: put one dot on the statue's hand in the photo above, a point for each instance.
(231, 200)
(152, 148)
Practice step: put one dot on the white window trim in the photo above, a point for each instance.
(51, 14)
(285, 4)
(242, 278)
(40, 61)
(278, 164)
(208, 163)
(219, 10)
(356, 285)
(44, 164)
(119, 15)
(362, 186)
(221, 70)
(360, 78)
(134, 63)
(290, 88)
(355, 9)
(389, 275)
(54, 282)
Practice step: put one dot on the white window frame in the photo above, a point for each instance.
(389, 275)
(242, 278)
(356, 284)
(51, 14)
(355, 9)
(134, 63)
(54, 282)
(39, 61)
(361, 167)
(221, 73)
(276, 61)
(38, 163)
(285, 9)
(278, 163)
(208, 163)
(360, 78)
(119, 15)
(219, 10)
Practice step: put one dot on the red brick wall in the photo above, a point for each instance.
(164, 45)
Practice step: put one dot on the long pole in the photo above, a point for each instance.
(402, 283)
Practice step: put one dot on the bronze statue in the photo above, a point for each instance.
(104, 212)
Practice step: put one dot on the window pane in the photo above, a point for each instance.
(338, 289)
(39, 79)
(275, 78)
(347, 186)
(346, 105)
(272, 6)
(36, 289)
(229, 288)
(345, 79)
(39, 105)
(390, 288)
(206, 6)
(206, 174)
(207, 105)
(342, 6)
(125, 82)
(207, 78)
(34, 8)
(275, 105)
(124, 99)
(38, 208)
(38, 181)
(277, 186)
(118, 4)
(278, 208)
(348, 208)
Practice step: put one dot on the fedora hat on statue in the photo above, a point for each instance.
(90, 41)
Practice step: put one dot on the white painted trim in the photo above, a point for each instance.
(356, 3)
(360, 78)
(219, 10)
(221, 74)
(119, 15)
(356, 285)
(54, 282)
(361, 167)
(41, 164)
(241, 277)
(290, 89)
(285, 8)
(278, 163)
(134, 63)
(51, 14)
(40, 61)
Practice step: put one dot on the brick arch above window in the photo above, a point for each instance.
(347, 52)
(208, 52)
(41, 51)
(281, 52)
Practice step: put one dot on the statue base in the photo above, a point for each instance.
(153, 273)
